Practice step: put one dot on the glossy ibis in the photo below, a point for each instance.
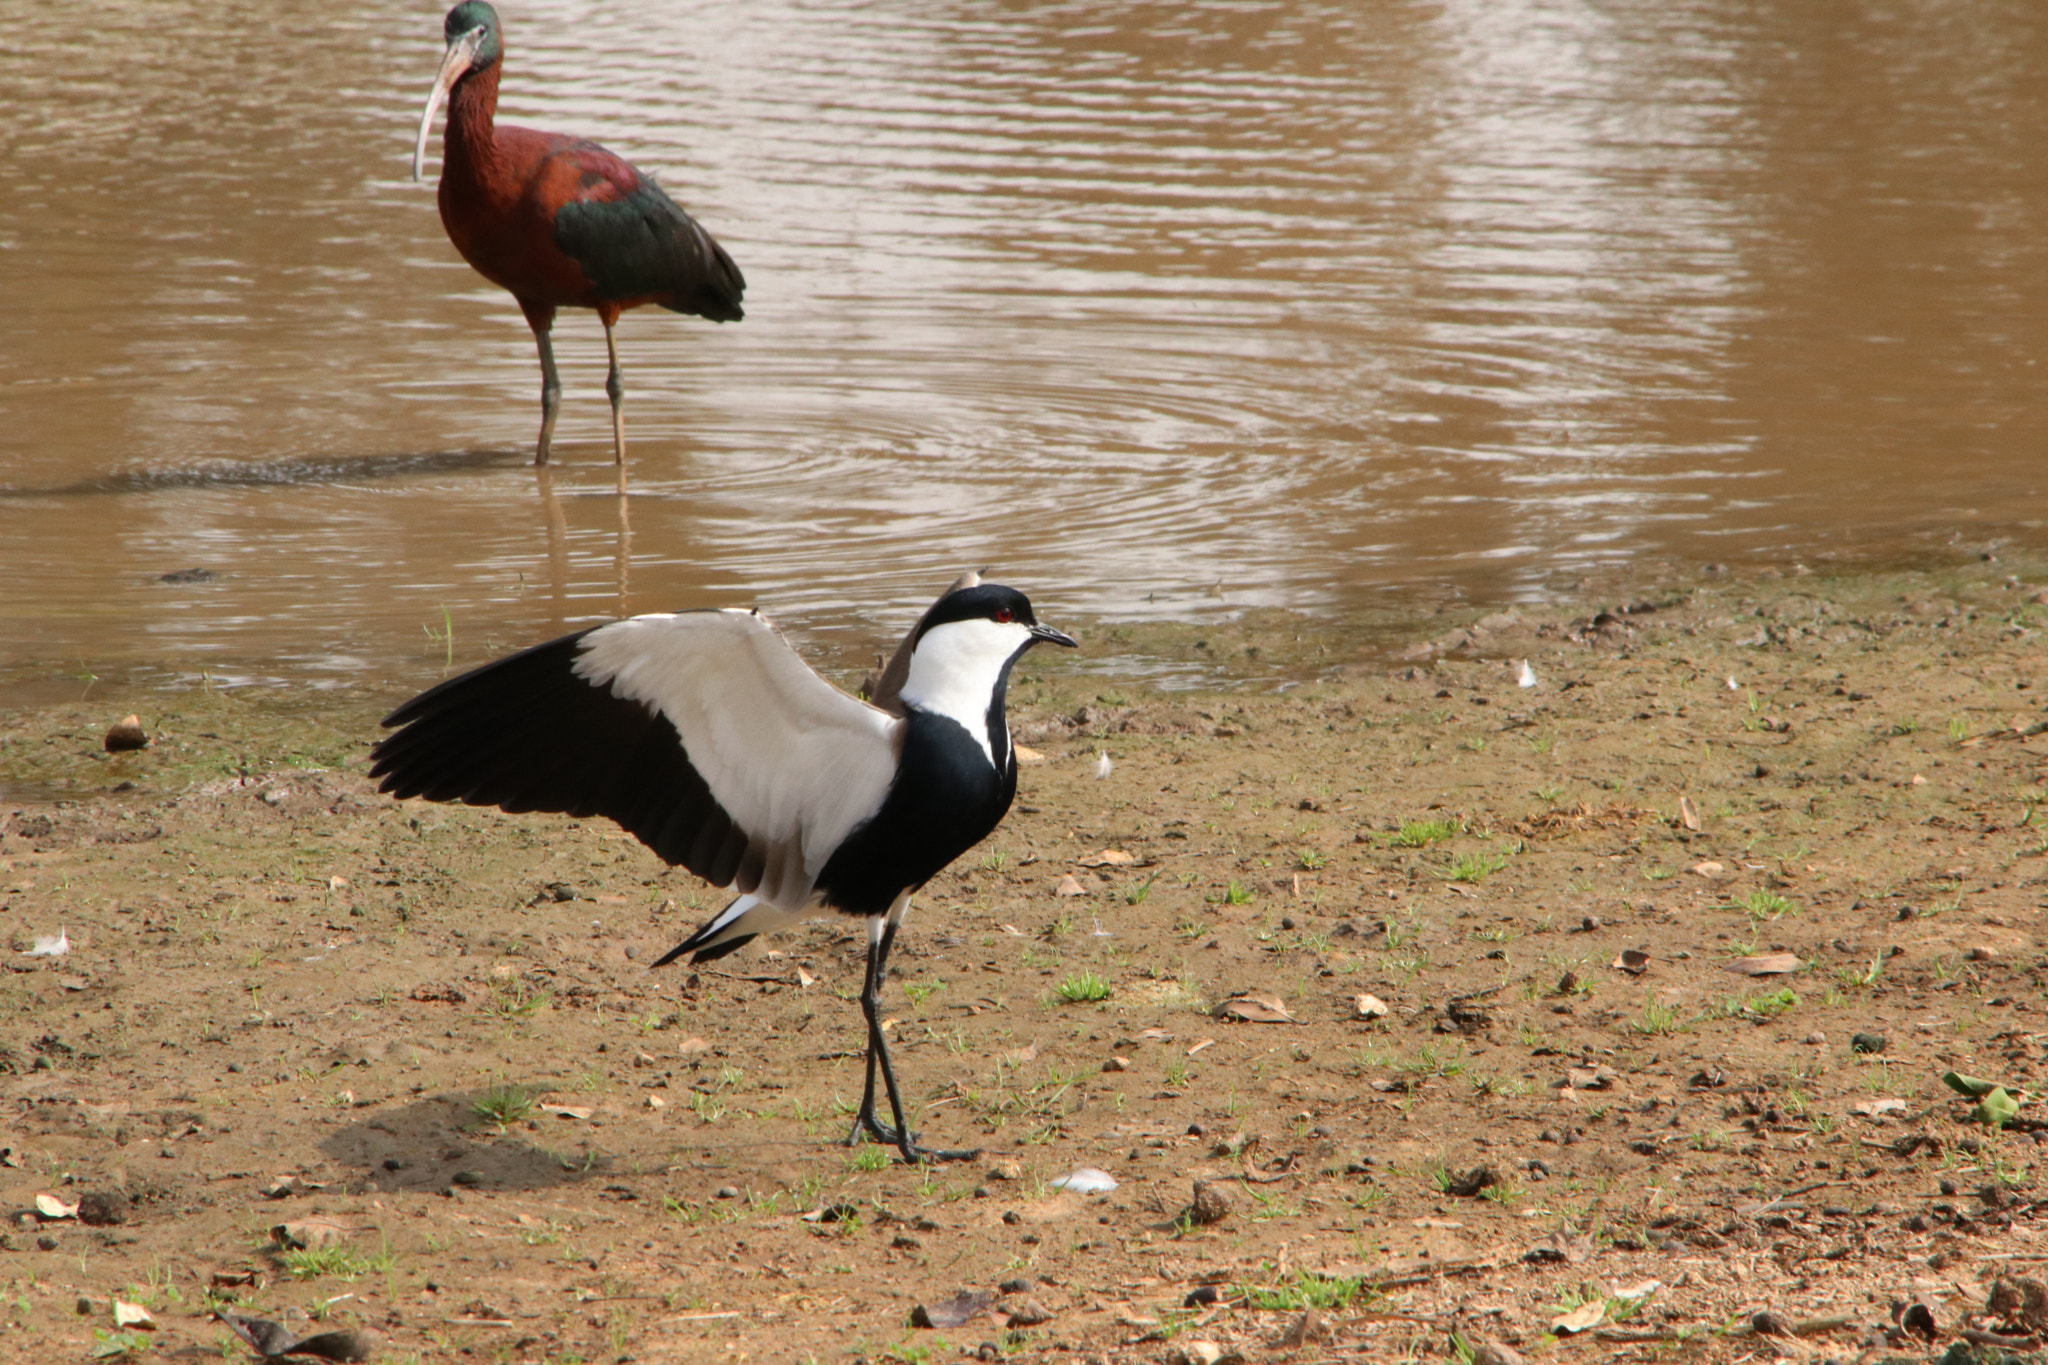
(560, 221)
(705, 736)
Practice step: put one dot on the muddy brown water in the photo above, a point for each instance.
(1161, 309)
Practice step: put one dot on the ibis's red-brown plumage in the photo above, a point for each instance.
(559, 221)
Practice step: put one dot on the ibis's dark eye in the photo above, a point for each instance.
(1003, 615)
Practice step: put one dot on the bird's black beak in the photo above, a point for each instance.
(461, 53)
(1053, 637)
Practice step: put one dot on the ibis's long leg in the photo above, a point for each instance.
(616, 389)
(541, 318)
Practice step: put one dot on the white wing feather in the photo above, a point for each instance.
(794, 761)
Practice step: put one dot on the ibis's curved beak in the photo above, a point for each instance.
(1054, 637)
(461, 53)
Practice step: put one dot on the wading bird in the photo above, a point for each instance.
(560, 222)
(704, 735)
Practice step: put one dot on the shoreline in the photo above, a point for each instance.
(1381, 620)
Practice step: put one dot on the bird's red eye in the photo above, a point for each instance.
(1003, 615)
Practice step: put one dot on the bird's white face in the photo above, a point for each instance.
(956, 667)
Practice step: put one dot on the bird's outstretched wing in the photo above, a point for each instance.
(700, 732)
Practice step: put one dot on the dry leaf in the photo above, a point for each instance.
(49, 1206)
(1879, 1108)
(1255, 1008)
(1688, 813)
(1634, 961)
(1206, 1042)
(1108, 857)
(133, 1315)
(1770, 964)
(1369, 1007)
(1584, 1318)
(833, 1213)
(1026, 757)
(1069, 887)
(567, 1111)
(1591, 1077)
(957, 1311)
(1706, 869)
(309, 1232)
(1560, 1248)
(804, 978)
(691, 1046)
(1020, 1056)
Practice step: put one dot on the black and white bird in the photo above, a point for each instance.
(704, 735)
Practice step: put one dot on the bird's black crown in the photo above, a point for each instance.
(984, 602)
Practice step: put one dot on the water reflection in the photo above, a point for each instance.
(1159, 308)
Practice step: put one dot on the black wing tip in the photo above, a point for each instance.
(711, 954)
(712, 309)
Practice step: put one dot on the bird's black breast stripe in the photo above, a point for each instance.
(527, 734)
(945, 800)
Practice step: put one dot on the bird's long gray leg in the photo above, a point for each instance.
(865, 1123)
(541, 318)
(878, 1055)
(616, 389)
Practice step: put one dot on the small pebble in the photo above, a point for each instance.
(727, 1192)
(1867, 1043)
(1117, 1064)
(1212, 1202)
(1816, 1038)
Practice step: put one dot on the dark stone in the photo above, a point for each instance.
(104, 1208)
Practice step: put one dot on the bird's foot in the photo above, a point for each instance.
(915, 1155)
(868, 1126)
